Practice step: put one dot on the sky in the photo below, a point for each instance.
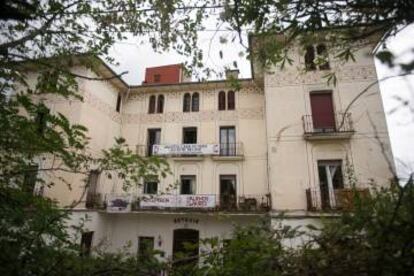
(397, 93)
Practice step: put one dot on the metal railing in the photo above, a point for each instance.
(192, 203)
(231, 149)
(324, 199)
(340, 122)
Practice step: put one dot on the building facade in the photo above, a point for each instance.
(285, 142)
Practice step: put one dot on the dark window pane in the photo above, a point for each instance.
(118, 102)
(188, 185)
(160, 104)
(187, 102)
(230, 100)
(190, 135)
(222, 100)
(151, 107)
(91, 195)
(86, 243)
(145, 246)
(321, 51)
(151, 187)
(309, 58)
(195, 102)
(41, 118)
(29, 178)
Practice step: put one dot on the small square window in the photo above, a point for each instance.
(188, 183)
(151, 187)
(157, 78)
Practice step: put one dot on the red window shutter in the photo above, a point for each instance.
(322, 111)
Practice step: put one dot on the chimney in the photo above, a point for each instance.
(232, 74)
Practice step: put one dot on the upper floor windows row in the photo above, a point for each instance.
(156, 104)
(313, 54)
(226, 101)
(191, 102)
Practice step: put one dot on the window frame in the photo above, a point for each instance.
(221, 100)
(187, 102)
(231, 100)
(160, 104)
(193, 184)
(152, 103)
(195, 102)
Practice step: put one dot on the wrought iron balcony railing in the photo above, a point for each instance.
(337, 123)
(122, 203)
(324, 199)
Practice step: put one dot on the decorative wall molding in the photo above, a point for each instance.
(202, 116)
(343, 74)
(101, 106)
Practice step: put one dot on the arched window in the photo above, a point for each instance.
(222, 100)
(195, 102)
(230, 100)
(323, 53)
(309, 58)
(151, 106)
(187, 102)
(160, 104)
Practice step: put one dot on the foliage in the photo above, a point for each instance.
(376, 238)
(344, 26)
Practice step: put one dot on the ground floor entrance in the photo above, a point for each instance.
(185, 246)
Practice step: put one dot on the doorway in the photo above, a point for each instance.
(228, 192)
(330, 180)
(185, 247)
(154, 138)
(228, 141)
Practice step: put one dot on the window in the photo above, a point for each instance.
(86, 243)
(151, 187)
(322, 54)
(160, 104)
(91, 195)
(190, 135)
(41, 118)
(157, 78)
(228, 192)
(188, 184)
(323, 117)
(151, 107)
(118, 102)
(228, 141)
(310, 58)
(222, 100)
(154, 138)
(30, 178)
(330, 179)
(230, 100)
(145, 246)
(187, 102)
(195, 102)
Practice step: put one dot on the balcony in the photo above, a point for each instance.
(340, 126)
(222, 151)
(326, 200)
(124, 203)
